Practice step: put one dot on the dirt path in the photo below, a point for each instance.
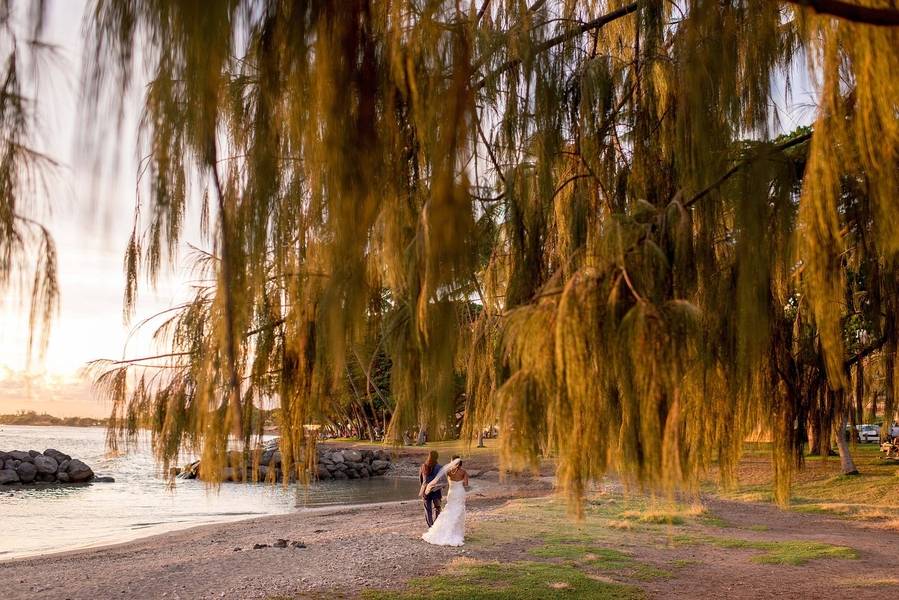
(734, 574)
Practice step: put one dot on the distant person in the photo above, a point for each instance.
(449, 527)
(426, 474)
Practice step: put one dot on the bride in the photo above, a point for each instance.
(449, 528)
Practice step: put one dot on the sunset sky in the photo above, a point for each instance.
(90, 221)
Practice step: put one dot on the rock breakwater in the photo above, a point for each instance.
(332, 464)
(49, 466)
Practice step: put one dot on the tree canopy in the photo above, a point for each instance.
(583, 210)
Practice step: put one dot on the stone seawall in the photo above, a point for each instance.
(49, 466)
(351, 464)
(332, 463)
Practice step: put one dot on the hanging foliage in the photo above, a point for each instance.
(655, 277)
(27, 250)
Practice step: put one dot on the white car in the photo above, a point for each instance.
(868, 433)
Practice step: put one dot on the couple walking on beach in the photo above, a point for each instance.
(446, 526)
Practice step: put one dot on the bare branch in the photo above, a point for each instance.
(880, 17)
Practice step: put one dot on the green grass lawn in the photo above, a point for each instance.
(533, 548)
(819, 487)
(792, 552)
(519, 580)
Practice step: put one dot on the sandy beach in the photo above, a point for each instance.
(347, 550)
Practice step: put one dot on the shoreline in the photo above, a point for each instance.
(347, 548)
(477, 486)
(165, 528)
(314, 510)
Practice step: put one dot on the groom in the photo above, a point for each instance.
(426, 474)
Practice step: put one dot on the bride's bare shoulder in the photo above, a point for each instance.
(459, 474)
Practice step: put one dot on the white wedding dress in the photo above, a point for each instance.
(449, 528)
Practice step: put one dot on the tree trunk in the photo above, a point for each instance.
(819, 429)
(422, 435)
(815, 443)
(364, 422)
(847, 465)
(481, 437)
(889, 398)
(859, 392)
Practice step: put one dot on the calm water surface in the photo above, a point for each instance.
(36, 520)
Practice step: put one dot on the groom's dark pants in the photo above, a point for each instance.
(432, 506)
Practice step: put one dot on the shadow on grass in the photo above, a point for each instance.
(521, 580)
(792, 552)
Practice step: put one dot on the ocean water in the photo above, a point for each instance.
(41, 519)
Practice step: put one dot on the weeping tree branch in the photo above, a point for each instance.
(881, 17)
(131, 361)
(226, 264)
(596, 23)
(874, 347)
(266, 327)
(745, 163)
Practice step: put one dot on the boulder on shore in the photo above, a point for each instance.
(27, 472)
(8, 476)
(379, 466)
(45, 464)
(56, 454)
(78, 471)
(352, 456)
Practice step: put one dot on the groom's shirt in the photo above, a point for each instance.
(431, 475)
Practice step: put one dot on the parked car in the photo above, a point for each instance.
(868, 433)
(863, 433)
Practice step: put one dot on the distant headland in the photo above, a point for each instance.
(33, 418)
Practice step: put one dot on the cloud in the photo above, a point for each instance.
(69, 396)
